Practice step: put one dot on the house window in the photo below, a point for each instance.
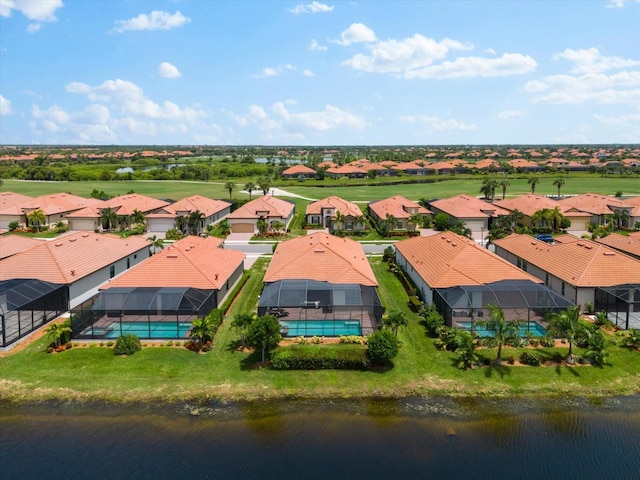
(349, 225)
(135, 255)
(519, 263)
(546, 279)
(128, 263)
(563, 289)
(112, 271)
(399, 227)
(525, 265)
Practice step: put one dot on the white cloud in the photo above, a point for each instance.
(619, 88)
(392, 56)
(308, 73)
(316, 47)
(130, 100)
(590, 60)
(273, 71)
(631, 120)
(38, 10)
(356, 33)
(157, 20)
(620, 3)
(468, 67)
(313, 7)
(489, 51)
(437, 123)
(5, 106)
(510, 114)
(168, 70)
(33, 27)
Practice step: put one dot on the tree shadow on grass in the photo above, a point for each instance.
(251, 361)
(234, 346)
(501, 370)
(382, 368)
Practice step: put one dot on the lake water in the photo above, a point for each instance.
(393, 439)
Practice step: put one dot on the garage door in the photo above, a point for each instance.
(242, 228)
(82, 224)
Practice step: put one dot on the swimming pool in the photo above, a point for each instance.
(535, 328)
(148, 330)
(320, 328)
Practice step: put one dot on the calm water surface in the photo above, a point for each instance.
(399, 439)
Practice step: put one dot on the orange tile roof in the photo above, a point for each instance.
(466, 206)
(345, 207)
(321, 257)
(122, 205)
(12, 244)
(346, 170)
(207, 206)
(51, 204)
(8, 199)
(447, 259)
(190, 262)
(396, 206)
(583, 263)
(625, 243)
(594, 203)
(274, 206)
(68, 259)
(527, 204)
(299, 170)
(327, 164)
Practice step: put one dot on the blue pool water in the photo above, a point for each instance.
(535, 328)
(320, 328)
(149, 330)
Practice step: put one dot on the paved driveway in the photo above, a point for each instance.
(239, 237)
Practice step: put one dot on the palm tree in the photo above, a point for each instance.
(181, 223)
(277, 226)
(230, 186)
(533, 180)
(465, 345)
(395, 319)
(502, 330)
(390, 222)
(566, 324)
(108, 217)
(558, 182)
(203, 330)
(156, 243)
(415, 220)
(124, 222)
(241, 322)
(360, 223)
(338, 222)
(539, 217)
(194, 221)
(503, 184)
(138, 217)
(555, 218)
(622, 216)
(57, 331)
(264, 184)
(37, 218)
(262, 227)
(248, 187)
(488, 189)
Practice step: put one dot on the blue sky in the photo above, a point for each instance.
(319, 73)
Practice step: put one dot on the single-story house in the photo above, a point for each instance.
(348, 171)
(401, 208)
(161, 296)
(321, 213)
(600, 207)
(321, 285)
(299, 171)
(475, 213)
(268, 208)
(169, 216)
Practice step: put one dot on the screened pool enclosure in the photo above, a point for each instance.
(149, 312)
(518, 299)
(312, 308)
(28, 304)
(621, 303)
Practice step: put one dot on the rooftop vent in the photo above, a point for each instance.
(609, 254)
(172, 255)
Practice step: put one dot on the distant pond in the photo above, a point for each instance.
(437, 438)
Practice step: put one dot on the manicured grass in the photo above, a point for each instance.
(228, 373)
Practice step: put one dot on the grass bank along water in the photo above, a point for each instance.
(172, 373)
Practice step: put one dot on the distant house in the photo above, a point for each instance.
(322, 212)
(161, 296)
(124, 206)
(346, 171)
(475, 213)
(270, 209)
(413, 168)
(400, 208)
(55, 207)
(321, 285)
(600, 207)
(299, 171)
(168, 217)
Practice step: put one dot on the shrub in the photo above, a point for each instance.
(432, 319)
(13, 225)
(127, 344)
(382, 346)
(547, 341)
(589, 309)
(530, 358)
(320, 357)
(351, 339)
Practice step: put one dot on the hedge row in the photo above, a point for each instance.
(321, 357)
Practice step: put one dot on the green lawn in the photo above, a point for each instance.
(227, 373)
